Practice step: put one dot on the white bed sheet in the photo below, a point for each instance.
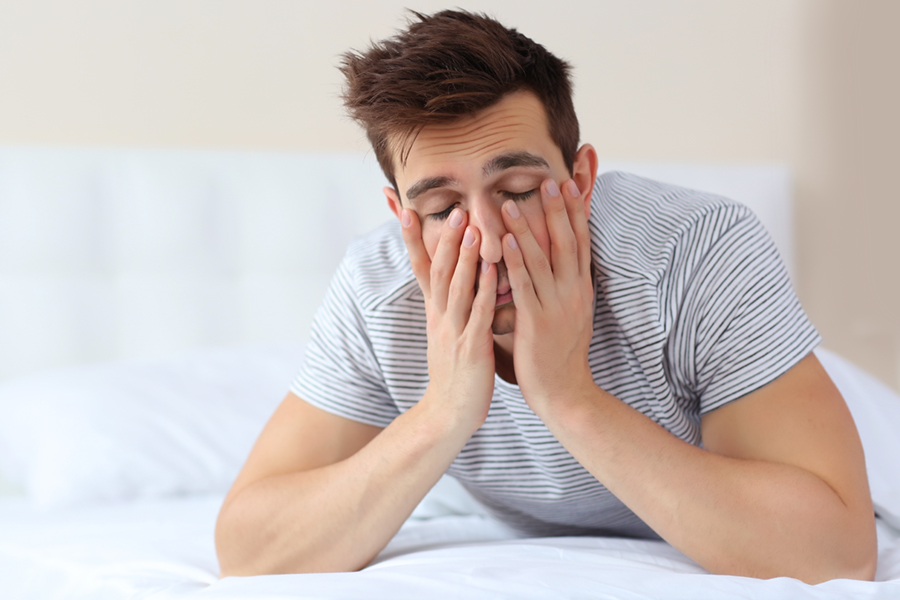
(164, 549)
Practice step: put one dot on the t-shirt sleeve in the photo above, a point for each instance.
(341, 374)
(742, 323)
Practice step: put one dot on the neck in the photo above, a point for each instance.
(503, 357)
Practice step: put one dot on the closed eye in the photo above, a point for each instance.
(443, 214)
(521, 196)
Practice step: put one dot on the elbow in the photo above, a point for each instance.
(233, 562)
(850, 555)
(237, 548)
(853, 547)
(816, 570)
(246, 547)
(861, 553)
(863, 566)
(226, 546)
(866, 573)
(857, 559)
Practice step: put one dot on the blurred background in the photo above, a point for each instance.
(811, 84)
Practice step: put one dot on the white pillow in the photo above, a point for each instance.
(876, 411)
(138, 429)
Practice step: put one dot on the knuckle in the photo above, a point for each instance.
(522, 232)
(482, 308)
(519, 225)
(513, 259)
(526, 286)
(543, 266)
(557, 204)
(568, 246)
(456, 289)
(418, 261)
(479, 313)
(439, 272)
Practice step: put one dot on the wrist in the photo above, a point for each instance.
(566, 403)
(446, 418)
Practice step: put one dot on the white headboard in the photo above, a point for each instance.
(119, 253)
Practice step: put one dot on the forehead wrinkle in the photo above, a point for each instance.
(531, 110)
(475, 127)
(495, 136)
(432, 137)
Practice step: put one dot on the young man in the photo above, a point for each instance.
(606, 356)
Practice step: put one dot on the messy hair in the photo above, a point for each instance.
(446, 66)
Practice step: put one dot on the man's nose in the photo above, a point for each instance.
(484, 213)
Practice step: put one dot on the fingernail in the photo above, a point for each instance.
(468, 238)
(485, 266)
(553, 189)
(456, 218)
(512, 209)
(405, 218)
(573, 189)
(511, 241)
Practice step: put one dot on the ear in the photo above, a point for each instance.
(393, 200)
(584, 172)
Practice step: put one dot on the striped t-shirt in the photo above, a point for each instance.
(694, 309)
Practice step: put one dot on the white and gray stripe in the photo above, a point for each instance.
(694, 310)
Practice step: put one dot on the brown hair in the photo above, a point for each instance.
(446, 66)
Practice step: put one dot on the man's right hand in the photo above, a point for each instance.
(460, 340)
(320, 492)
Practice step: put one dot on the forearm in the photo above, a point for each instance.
(742, 517)
(338, 517)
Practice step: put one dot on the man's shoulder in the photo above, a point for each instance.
(377, 264)
(638, 224)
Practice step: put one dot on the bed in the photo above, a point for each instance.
(153, 306)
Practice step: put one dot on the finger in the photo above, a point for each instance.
(538, 265)
(563, 245)
(443, 264)
(462, 285)
(415, 247)
(578, 220)
(482, 315)
(524, 294)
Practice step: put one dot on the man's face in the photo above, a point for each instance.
(503, 152)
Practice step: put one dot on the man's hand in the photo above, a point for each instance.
(323, 493)
(553, 296)
(460, 342)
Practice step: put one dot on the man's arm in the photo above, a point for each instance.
(780, 488)
(323, 493)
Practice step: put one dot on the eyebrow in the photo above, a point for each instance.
(423, 185)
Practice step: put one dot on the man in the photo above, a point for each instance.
(607, 356)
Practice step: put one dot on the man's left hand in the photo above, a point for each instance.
(553, 296)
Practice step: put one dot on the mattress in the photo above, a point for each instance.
(164, 549)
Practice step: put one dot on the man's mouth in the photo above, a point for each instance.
(504, 290)
(504, 294)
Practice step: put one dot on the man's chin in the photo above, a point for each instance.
(504, 319)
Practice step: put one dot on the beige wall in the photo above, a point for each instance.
(808, 83)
